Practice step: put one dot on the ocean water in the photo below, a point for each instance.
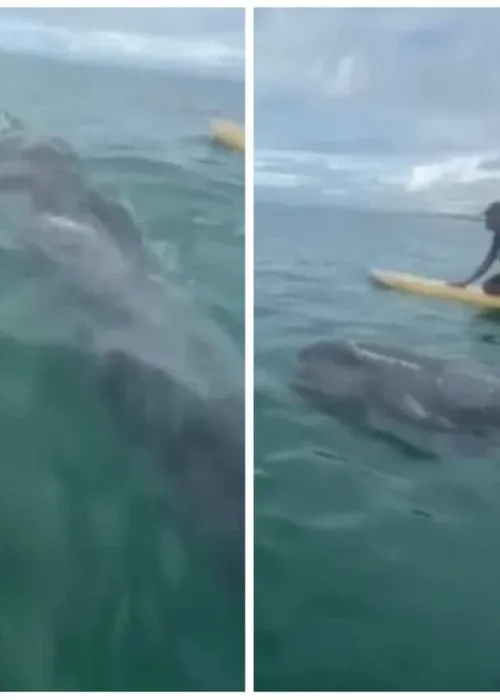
(374, 571)
(102, 589)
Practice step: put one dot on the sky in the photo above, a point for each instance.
(188, 21)
(422, 79)
(199, 38)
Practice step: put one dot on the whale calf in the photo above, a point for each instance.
(173, 381)
(414, 401)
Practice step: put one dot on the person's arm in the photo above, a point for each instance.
(483, 267)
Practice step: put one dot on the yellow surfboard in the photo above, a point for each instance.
(229, 134)
(422, 286)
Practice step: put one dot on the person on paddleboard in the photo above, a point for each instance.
(492, 284)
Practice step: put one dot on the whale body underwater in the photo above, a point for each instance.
(171, 378)
(422, 405)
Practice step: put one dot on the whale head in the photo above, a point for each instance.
(330, 375)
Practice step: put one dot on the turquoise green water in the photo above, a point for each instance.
(373, 571)
(100, 589)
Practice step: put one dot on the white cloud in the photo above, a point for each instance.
(192, 38)
(185, 22)
(437, 70)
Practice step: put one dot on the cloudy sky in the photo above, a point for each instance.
(211, 39)
(186, 22)
(418, 78)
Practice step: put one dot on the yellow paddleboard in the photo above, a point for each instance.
(228, 134)
(422, 286)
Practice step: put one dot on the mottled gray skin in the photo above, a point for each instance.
(390, 390)
(200, 443)
(172, 380)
